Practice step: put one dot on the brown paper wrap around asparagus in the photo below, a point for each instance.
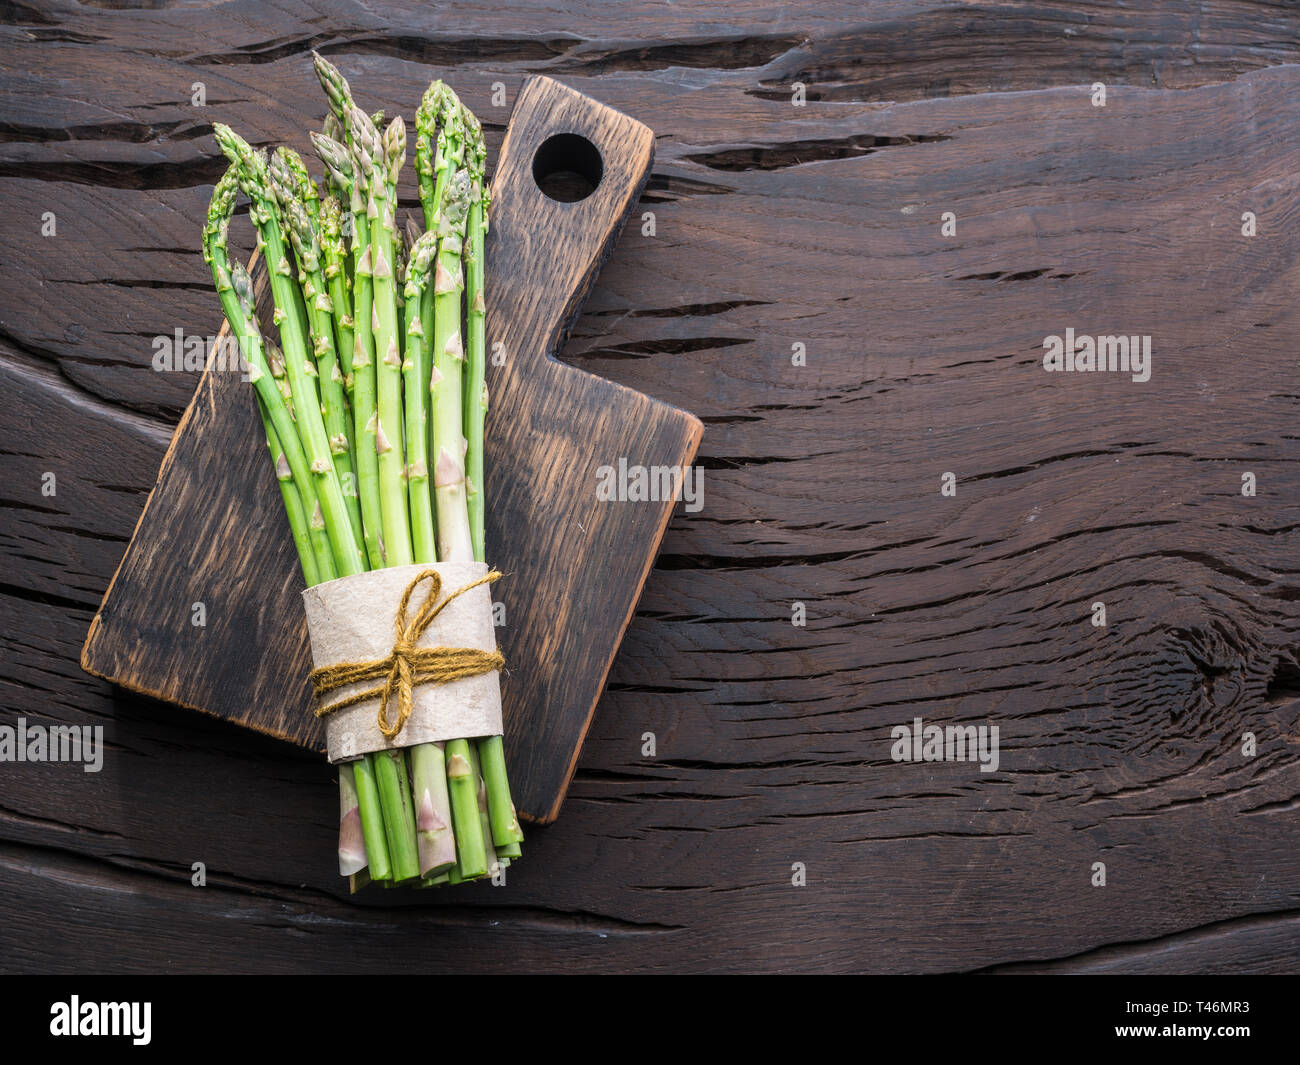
(352, 619)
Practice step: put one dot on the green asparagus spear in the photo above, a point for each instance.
(353, 170)
(320, 316)
(299, 365)
(334, 255)
(475, 395)
(383, 157)
(415, 372)
(436, 842)
(235, 293)
(462, 786)
(447, 447)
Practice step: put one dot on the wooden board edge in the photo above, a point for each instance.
(175, 700)
(87, 648)
(87, 660)
(696, 434)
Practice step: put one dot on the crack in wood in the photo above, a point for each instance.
(789, 154)
(1124, 956)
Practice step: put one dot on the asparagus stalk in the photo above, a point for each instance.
(307, 536)
(462, 787)
(332, 128)
(448, 442)
(440, 146)
(415, 371)
(501, 808)
(439, 152)
(436, 843)
(449, 489)
(308, 530)
(354, 172)
(382, 803)
(289, 175)
(474, 845)
(401, 250)
(385, 157)
(481, 798)
(301, 370)
(281, 171)
(339, 94)
(435, 150)
(445, 190)
(372, 818)
(430, 163)
(352, 845)
(291, 182)
(388, 359)
(476, 396)
(399, 816)
(236, 294)
(377, 363)
(337, 129)
(356, 166)
(320, 540)
(506, 833)
(432, 805)
(365, 413)
(320, 316)
(379, 406)
(298, 519)
(334, 255)
(460, 135)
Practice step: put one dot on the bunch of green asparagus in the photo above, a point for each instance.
(376, 385)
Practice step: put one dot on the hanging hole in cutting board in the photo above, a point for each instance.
(568, 167)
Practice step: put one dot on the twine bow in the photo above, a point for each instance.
(407, 665)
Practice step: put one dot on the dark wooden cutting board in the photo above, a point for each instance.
(213, 531)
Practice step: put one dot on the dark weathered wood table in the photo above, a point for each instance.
(867, 219)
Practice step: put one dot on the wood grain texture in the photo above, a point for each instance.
(775, 225)
(574, 564)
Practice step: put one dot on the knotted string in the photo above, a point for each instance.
(407, 665)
